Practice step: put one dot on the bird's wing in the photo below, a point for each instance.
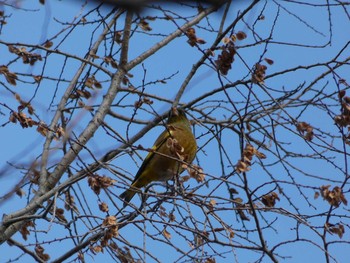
(163, 137)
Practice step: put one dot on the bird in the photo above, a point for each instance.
(175, 146)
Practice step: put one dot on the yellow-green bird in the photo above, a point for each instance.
(175, 143)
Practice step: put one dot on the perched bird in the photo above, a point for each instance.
(175, 143)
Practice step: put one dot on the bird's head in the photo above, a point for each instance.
(177, 115)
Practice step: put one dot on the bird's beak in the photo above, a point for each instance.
(174, 111)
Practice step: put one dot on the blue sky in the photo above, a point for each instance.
(24, 145)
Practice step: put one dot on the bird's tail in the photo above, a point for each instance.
(127, 196)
